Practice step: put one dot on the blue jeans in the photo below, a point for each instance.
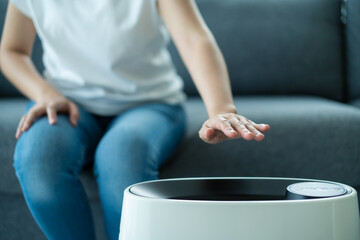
(124, 150)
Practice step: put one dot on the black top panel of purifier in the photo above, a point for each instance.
(219, 189)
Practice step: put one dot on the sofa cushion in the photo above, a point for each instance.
(277, 46)
(17, 222)
(309, 138)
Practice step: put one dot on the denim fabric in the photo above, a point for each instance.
(124, 149)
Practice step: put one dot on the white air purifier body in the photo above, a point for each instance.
(240, 208)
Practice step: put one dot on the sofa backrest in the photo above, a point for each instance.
(270, 46)
(351, 11)
(278, 46)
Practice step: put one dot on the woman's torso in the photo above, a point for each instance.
(106, 55)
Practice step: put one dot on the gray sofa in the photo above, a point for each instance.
(294, 64)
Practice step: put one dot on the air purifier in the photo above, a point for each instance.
(239, 208)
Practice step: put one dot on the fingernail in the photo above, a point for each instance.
(251, 133)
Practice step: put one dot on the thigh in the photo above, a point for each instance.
(57, 147)
(139, 141)
(136, 143)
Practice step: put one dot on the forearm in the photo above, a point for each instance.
(207, 67)
(21, 72)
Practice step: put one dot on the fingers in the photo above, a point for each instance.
(260, 127)
(206, 133)
(223, 124)
(63, 107)
(31, 116)
(51, 113)
(73, 114)
(242, 129)
(253, 127)
(258, 136)
(217, 129)
(209, 133)
(18, 130)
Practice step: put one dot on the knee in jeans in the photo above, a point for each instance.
(41, 170)
(49, 154)
(46, 161)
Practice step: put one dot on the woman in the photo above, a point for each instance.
(109, 95)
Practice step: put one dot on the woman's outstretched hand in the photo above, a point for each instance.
(50, 107)
(231, 126)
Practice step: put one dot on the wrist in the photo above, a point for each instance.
(226, 108)
(47, 93)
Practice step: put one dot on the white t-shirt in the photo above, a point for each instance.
(106, 55)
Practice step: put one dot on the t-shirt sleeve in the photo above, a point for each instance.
(23, 6)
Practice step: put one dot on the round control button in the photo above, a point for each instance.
(305, 190)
